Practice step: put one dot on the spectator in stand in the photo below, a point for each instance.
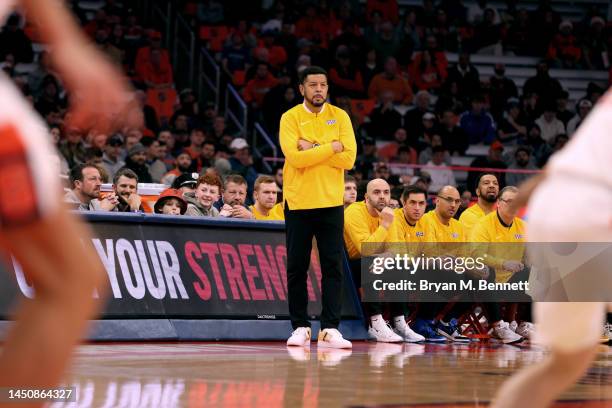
(517, 39)
(155, 153)
(155, 74)
(466, 199)
(237, 56)
(345, 76)
(441, 174)
(311, 26)
(136, 161)
(492, 161)
(371, 67)
(369, 155)
(385, 41)
(390, 80)
(125, 192)
(184, 164)
(186, 183)
(465, 75)
(242, 163)
(595, 44)
(196, 140)
(426, 74)
(49, 99)
(582, 110)
(549, 124)
(390, 150)
(384, 118)
(170, 202)
(563, 114)
(535, 142)
(410, 36)
(111, 159)
(233, 199)
(446, 35)
(413, 119)
(522, 161)
(132, 138)
(14, 41)
(144, 56)
(405, 155)
(112, 52)
(429, 143)
(278, 177)
(73, 147)
(277, 54)
(207, 192)
(478, 123)
(501, 88)
(165, 136)
(542, 85)
(388, 9)
(85, 181)
(476, 13)
(454, 138)
(257, 88)
(559, 143)
(513, 128)
(563, 51)
(488, 34)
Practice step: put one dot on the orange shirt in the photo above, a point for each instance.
(402, 93)
(257, 89)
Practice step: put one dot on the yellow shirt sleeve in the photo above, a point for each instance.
(345, 159)
(357, 231)
(288, 137)
(480, 237)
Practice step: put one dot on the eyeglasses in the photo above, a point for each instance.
(450, 200)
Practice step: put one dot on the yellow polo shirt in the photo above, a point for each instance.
(314, 178)
(490, 230)
(276, 213)
(361, 227)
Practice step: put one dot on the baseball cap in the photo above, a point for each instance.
(185, 179)
(167, 194)
(585, 103)
(238, 143)
(428, 116)
(115, 140)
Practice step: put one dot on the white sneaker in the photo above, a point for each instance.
(332, 338)
(300, 337)
(409, 335)
(526, 330)
(382, 332)
(513, 325)
(503, 332)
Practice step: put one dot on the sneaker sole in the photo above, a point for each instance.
(514, 341)
(305, 344)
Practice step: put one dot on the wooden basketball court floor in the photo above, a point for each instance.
(267, 374)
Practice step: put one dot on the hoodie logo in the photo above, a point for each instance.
(331, 121)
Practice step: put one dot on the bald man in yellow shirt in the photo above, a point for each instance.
(487, 191)
(373, 222)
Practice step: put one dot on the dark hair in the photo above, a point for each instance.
(438, 149)
(125, 172)
(312, 70)
(349, 179)
(486, 174)
(413, 189)
(76, 173)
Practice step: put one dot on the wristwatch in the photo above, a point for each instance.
(315, 145)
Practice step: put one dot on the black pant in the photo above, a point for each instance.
(326, 225)
(494, 308)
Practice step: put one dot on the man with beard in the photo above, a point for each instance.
(125, 187)
(522, 161)
(136, 161)
(233, 198)
(318, 142)
(86, 181)
(371, 221)
(487, 190)
(183, 164)
(265, 207)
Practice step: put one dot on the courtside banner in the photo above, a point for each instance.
(186, 267)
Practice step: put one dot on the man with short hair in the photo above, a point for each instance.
(441, 174)
(125, 189)
(265, 207)
(200, 203)
(487, 191)
(111, 159)
(350, 190)
(183, 164)
(156, 151)
(136, 161)
(242, 163)
(371, 222)
(522, 161)
(232, 202)
(318, 142)
(503, 226)
(84, 196)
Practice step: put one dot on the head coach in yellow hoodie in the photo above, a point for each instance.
(318, 142)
